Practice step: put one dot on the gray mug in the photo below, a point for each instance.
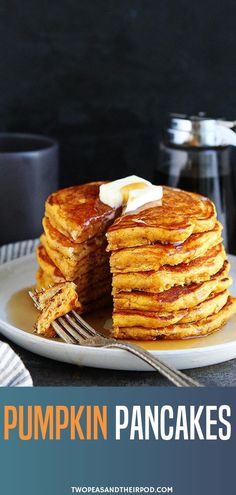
(28, 174)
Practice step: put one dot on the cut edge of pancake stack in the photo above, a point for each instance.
(170, 271)
(73, 247)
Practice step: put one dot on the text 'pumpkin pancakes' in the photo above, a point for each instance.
(170, 275)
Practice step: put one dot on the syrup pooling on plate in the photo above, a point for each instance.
(21, 311)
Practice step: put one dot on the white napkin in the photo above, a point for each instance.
(13, 372)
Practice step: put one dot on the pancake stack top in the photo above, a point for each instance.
(169, 268)
(170, 273)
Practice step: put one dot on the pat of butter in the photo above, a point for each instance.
(112, 195)
(140, 197)
(131, 191)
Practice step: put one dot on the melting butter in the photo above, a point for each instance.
(132, 192)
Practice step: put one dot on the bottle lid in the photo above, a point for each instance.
(192, 131)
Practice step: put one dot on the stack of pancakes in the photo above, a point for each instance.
(170, 272)
(73, 245)
(170, 275)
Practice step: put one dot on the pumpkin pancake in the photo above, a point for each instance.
(152, 319)
(196, 271)
(151, 257)
(48, 274)
(92, 305)
(202, 327)
(180, 214)
(83, 286)
(178, 297)
(41, 280)
(47, 265)
(71, 268)
(210, 306)
(54, 302)
(68, 248)
(78, 213)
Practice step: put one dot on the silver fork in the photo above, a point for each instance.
(75, 330)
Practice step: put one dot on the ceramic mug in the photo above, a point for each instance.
(28, 174)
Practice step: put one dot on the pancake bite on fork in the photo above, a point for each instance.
(170, 275)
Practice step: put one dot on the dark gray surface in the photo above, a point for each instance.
(46, 372)
(101, 76)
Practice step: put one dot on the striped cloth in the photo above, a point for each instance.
(10, 252)
(13, 372)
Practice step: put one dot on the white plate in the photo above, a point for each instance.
(17, 316)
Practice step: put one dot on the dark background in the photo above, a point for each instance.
(101, 76)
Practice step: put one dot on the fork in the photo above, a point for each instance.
(73, 329)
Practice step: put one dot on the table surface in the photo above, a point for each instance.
(46, 372)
